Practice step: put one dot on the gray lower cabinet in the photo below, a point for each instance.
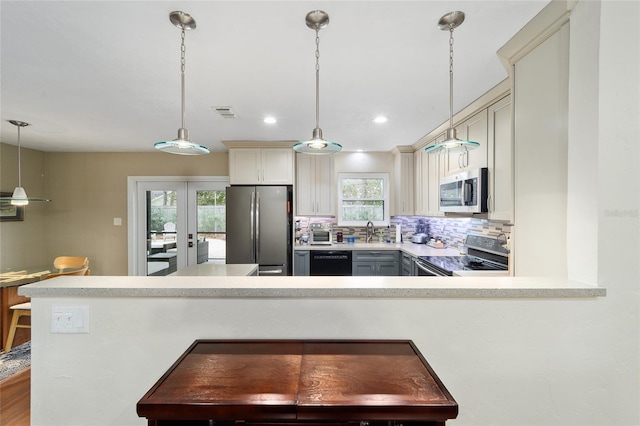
(301, 262)
(376, 263)
(407, 265)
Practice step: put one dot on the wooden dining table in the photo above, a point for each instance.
(299, 382)
(10, 281)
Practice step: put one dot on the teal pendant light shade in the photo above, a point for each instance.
(182, 145)
(317, 145)
(451, 144)
(19, 196)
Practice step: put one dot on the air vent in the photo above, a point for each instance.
(226, 112)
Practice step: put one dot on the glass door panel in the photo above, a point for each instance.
(160, 228)
(162, 234)
(209, 222)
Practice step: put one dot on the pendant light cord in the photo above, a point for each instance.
(451, 75)
(182, 66)
(19, 162)
(317, 76)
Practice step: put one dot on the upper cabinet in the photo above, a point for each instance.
(472, 129)
(403, 181)
(314, 185)
(261, 166)
(500, 154)
(429, 168)
(488, 122)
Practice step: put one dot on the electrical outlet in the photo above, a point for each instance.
(70, 319)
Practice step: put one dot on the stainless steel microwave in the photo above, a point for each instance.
(465, 192)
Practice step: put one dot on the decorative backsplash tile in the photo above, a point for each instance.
(452, 231)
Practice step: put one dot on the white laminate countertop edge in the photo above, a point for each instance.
(312, 287)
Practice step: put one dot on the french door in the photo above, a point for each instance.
(175, 222)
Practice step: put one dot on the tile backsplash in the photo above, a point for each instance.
(452, 231)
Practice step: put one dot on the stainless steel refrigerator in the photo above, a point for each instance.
(259, 222)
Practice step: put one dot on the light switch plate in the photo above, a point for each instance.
(70, 319)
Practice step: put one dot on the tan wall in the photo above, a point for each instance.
(88, 191)
(22, 243)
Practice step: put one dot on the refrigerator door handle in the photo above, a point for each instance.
(257, 227)
(252, 225)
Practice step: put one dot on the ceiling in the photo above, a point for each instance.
(104, 76)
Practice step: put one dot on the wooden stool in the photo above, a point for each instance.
(20, 310)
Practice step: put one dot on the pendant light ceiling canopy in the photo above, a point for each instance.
(451, 144)
(19, 197)
(317, 145)
(182, 145)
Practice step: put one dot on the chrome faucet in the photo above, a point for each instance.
(370, 231)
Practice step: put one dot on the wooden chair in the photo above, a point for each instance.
(24, 309)
(20, 310)
(70, 262)
(169, 231)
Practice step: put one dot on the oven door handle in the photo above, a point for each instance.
(429, 271)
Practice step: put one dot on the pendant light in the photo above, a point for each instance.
(451, 143)
(316, 20)
(19, 197)
(182, 145)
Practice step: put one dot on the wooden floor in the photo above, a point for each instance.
(16, 398)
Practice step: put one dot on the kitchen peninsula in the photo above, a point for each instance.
(138, 326)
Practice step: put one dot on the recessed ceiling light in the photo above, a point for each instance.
(380, 119)
(270, 120)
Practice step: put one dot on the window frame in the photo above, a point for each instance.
(385, 200)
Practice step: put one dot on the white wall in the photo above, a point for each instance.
(496, 357)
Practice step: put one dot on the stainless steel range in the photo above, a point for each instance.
(484, 253)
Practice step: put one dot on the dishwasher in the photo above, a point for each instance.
(330, 263)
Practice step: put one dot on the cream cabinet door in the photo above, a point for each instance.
(314, 185)
(500, 161)
(403, 183)
(245, 166)
(324, 185)
(436, 171)
(421, 182)
(277, 166)
(472, 129)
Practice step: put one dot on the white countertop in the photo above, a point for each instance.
(217, 270)
(409, 248)
(312, 287)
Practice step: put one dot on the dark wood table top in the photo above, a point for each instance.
(303, 380)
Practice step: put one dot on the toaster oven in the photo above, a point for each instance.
(320, 234)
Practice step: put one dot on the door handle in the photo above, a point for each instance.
(252, 205)
(190, 244)
(257, 226)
